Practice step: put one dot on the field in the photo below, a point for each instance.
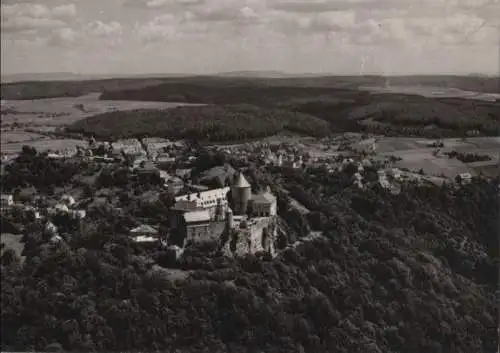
(432, 92)
(416, 154)
(63, 111)
(43, 145)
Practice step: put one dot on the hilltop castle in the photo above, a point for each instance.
(234, 218)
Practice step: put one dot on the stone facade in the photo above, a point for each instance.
(207, 218)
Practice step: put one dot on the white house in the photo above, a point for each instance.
(79, 214)
(144, 231)
(465, 177)
(396, 173)
(357, 177)
(61, 208)
(7, 200)
(68, 200)
(50, 228)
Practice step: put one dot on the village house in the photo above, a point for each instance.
(6, 200)
(464, 177)
(144, 234)
(50, 228)
(68, 200)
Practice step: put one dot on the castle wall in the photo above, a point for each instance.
(250, 239)
(204, 233)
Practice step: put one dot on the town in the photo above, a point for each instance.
(205, 197)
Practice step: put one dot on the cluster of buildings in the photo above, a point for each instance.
(283, 155)
(134, 150)
(42, 210)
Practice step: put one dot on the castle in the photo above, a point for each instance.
(234, 218)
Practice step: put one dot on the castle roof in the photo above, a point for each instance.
(241, 181)
(144, 228)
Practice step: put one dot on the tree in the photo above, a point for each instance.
(28, 151)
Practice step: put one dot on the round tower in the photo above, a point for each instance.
(240, 193)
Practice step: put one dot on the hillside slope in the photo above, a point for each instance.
(395, 275)
(203, 123)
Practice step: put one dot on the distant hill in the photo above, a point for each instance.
(55, 76)
(202, 123)
(276, 74)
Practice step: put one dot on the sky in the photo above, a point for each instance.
(209, 36)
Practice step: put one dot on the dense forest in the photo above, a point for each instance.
(35, 170)
(201, 123)
(413, 272)
(344, 109)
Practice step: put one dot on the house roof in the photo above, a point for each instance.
(197, 216)
(145, 239)
(204, 195)
(241, 181)
(144, 228)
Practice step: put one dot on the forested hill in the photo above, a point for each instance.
(202, 123)
(35, 88)
(344, 108)
(412, 273)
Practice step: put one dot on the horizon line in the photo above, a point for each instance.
(240, 73)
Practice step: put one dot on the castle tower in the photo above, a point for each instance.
(229, 219)
(241, 194)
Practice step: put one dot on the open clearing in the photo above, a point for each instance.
(43, 145)
(416, 154)
(432, 92)
(63, 111)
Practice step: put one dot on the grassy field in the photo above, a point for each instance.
(416, 155)
(66, 110)
(43, 145)
(433, 92)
